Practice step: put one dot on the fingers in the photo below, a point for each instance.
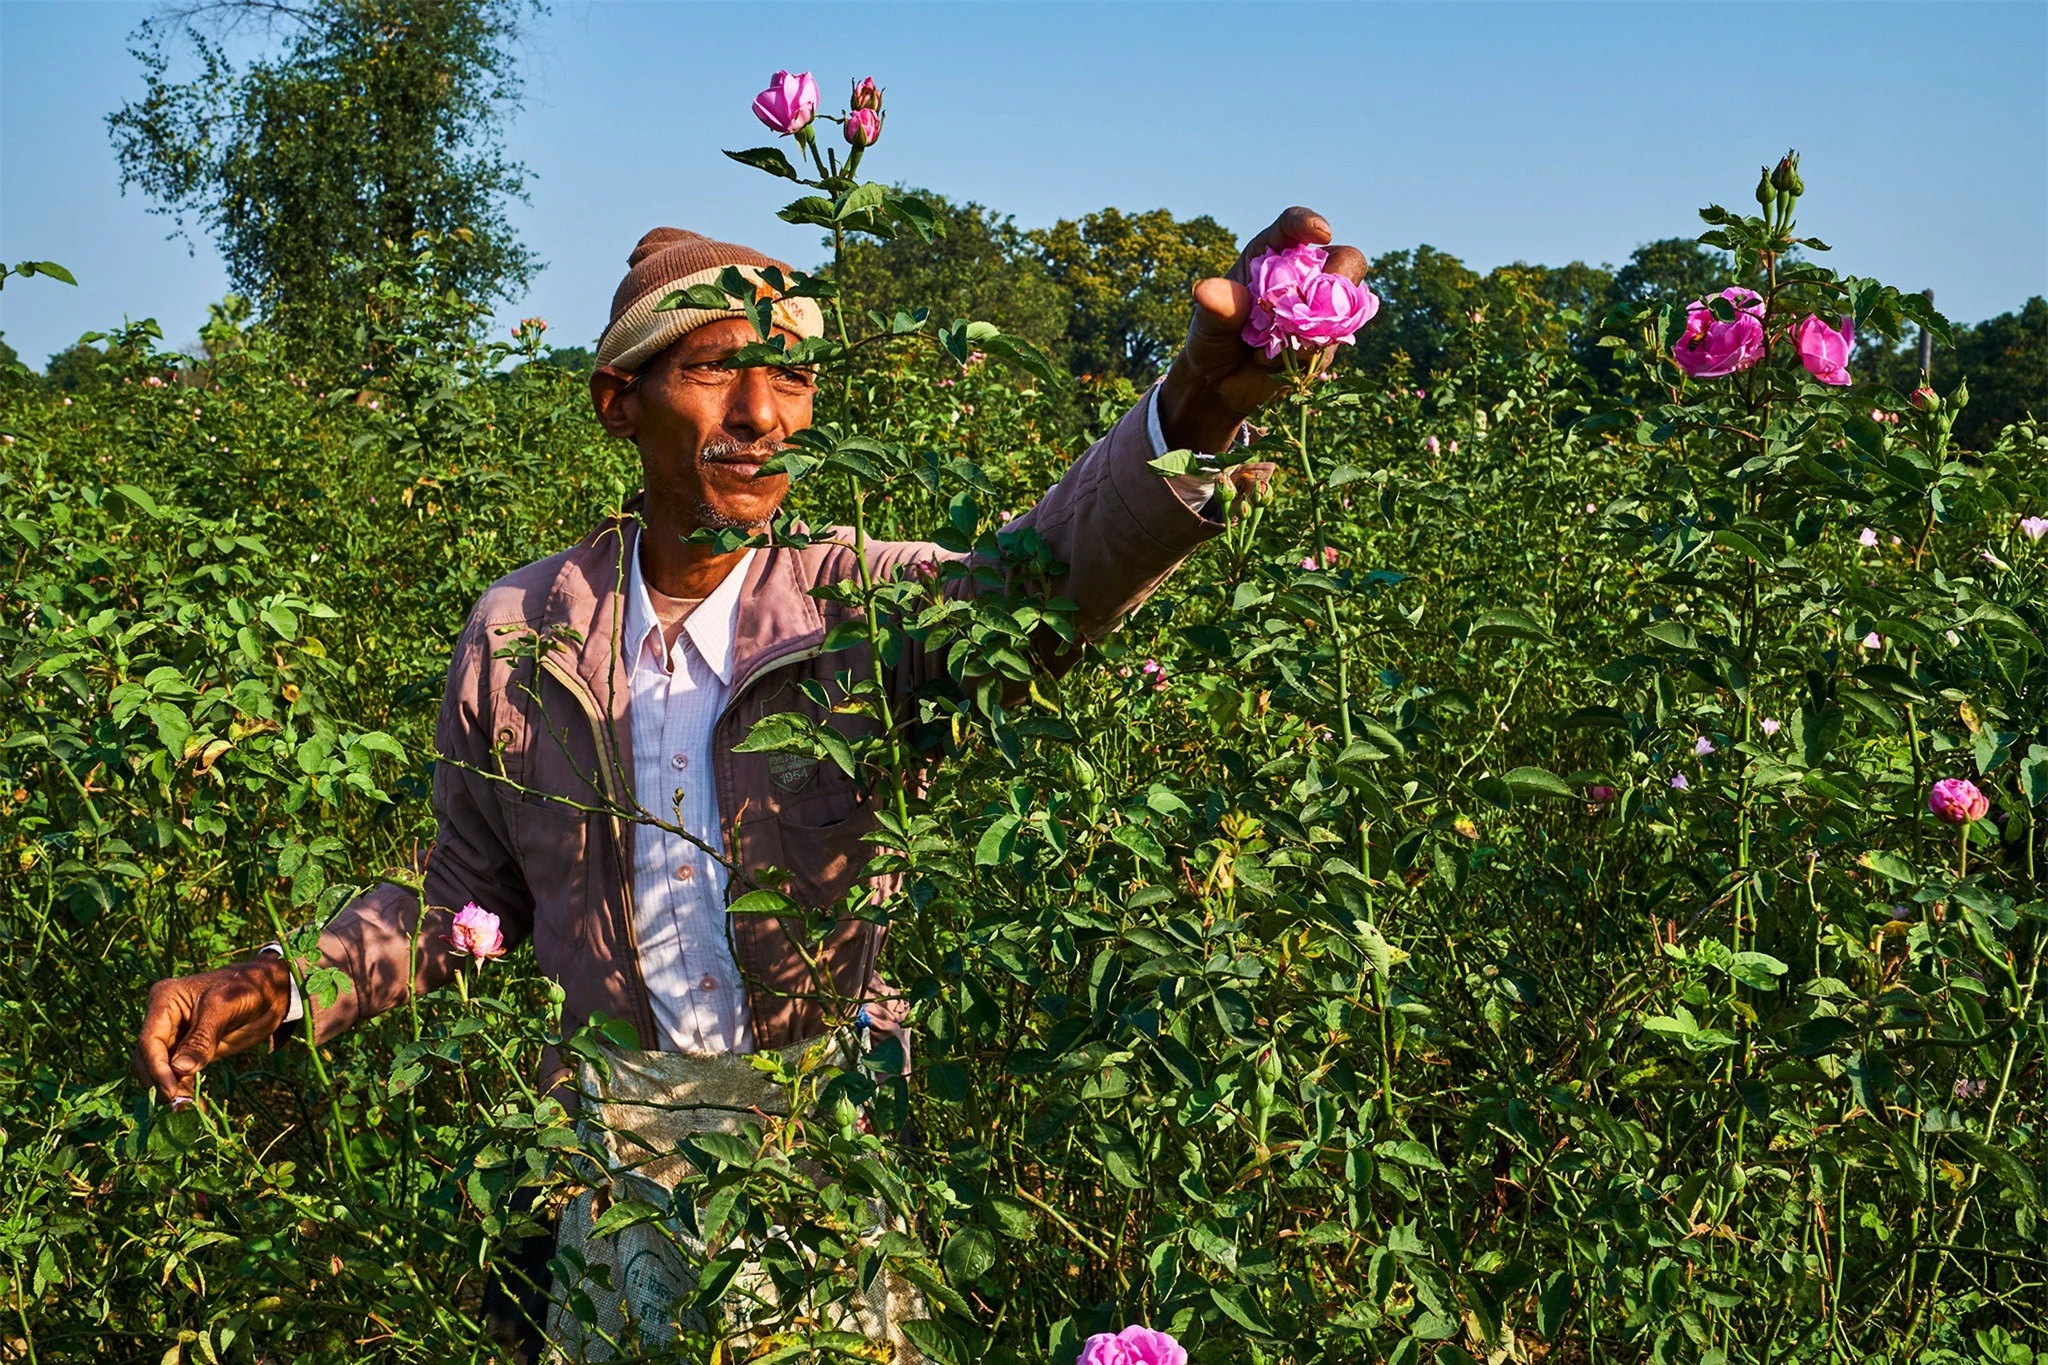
(161, 1025)
(1347, 261)
(1291, 228)
(201, 1045)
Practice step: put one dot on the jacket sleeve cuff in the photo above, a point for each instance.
(296, 1010)
(1159, 509)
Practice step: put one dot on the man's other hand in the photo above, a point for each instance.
(1217, 380)
(194, 1020)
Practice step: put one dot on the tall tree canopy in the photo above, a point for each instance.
(981, 265)
(1127, 278)
(380, 119)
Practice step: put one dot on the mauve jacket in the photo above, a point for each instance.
(553, 723)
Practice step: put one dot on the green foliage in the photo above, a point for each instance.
(978, 264)
(416, 93)
(1303, 994)
(1126, 278)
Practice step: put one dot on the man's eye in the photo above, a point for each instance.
(800, 378)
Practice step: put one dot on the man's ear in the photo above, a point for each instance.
(610, 392)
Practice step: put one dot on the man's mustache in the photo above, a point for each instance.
(737, 452)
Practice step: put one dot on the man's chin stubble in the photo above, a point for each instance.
(712, 517)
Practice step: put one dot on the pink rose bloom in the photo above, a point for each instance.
(863, 127)
(1868, 540)
(1873, 641)
(1824, 350)
(789, 103)
(476, 933)
(1431, 445)
(1958, 801)
(1710, 347)
(1771, 727)
(154, 382)
(1295, 306)
(2035, 527)
(1132, 1346)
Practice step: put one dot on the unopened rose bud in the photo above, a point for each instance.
(863, 127)
(1766, 193)
(1786, 179)
(866, 94)
(1924, 397)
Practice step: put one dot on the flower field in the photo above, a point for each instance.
(1556, 880)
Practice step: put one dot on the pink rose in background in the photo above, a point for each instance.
(1296, 306)
(1824, 350)
(1431, 445)
(1600, 794)
(1710, 347)
(476, 933)
(1868, 539)
(789, 103)
(1771, 727)
(1132, 1346)
(2035, 527)
(863, 127)
(1958, 801)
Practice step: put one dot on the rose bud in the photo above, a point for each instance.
(1766, 193)
(1958, 801)
(1786, 178)
(863, 126)
(867, 95)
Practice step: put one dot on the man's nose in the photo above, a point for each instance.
(750, 410)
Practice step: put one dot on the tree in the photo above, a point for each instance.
(1127, 278)
(981, 265)
(1672, 270)
(1422, 294)
(2005, 360)
(379, 121)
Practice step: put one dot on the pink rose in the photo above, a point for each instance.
(1431, 444)
(789, 103)
(1958, 801)
(866, 94)
(2035, 527)
(1824, 350)
(1133, 1346)
(1710, 347)
(1600, 794)
(1296, 306)
(863, 127)
(476, 933)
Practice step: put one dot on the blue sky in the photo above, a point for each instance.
(1496, 131)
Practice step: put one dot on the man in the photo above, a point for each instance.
(658, 654)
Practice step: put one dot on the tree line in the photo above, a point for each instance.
(418, 91)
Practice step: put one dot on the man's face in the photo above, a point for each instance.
(703, 430)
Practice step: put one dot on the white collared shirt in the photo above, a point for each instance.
(693, 983)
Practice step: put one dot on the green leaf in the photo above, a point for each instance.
(761, 901)
(1758, 970)
(1409, 1152)
(1507, 623)
(1538, 782)
(969, 1254)
(1888, 864)
(1240, 1307)
(1139, 840)
(769, 159)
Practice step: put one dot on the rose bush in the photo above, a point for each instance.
(1505, 921)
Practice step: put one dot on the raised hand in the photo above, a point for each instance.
(1217, 380)
(194, 1020)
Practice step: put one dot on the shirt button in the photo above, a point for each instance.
(679, 762)
(707, 982)
(686, 873)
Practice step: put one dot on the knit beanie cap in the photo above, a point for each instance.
(668, 259)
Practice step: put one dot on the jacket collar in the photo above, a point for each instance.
(775, 615)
